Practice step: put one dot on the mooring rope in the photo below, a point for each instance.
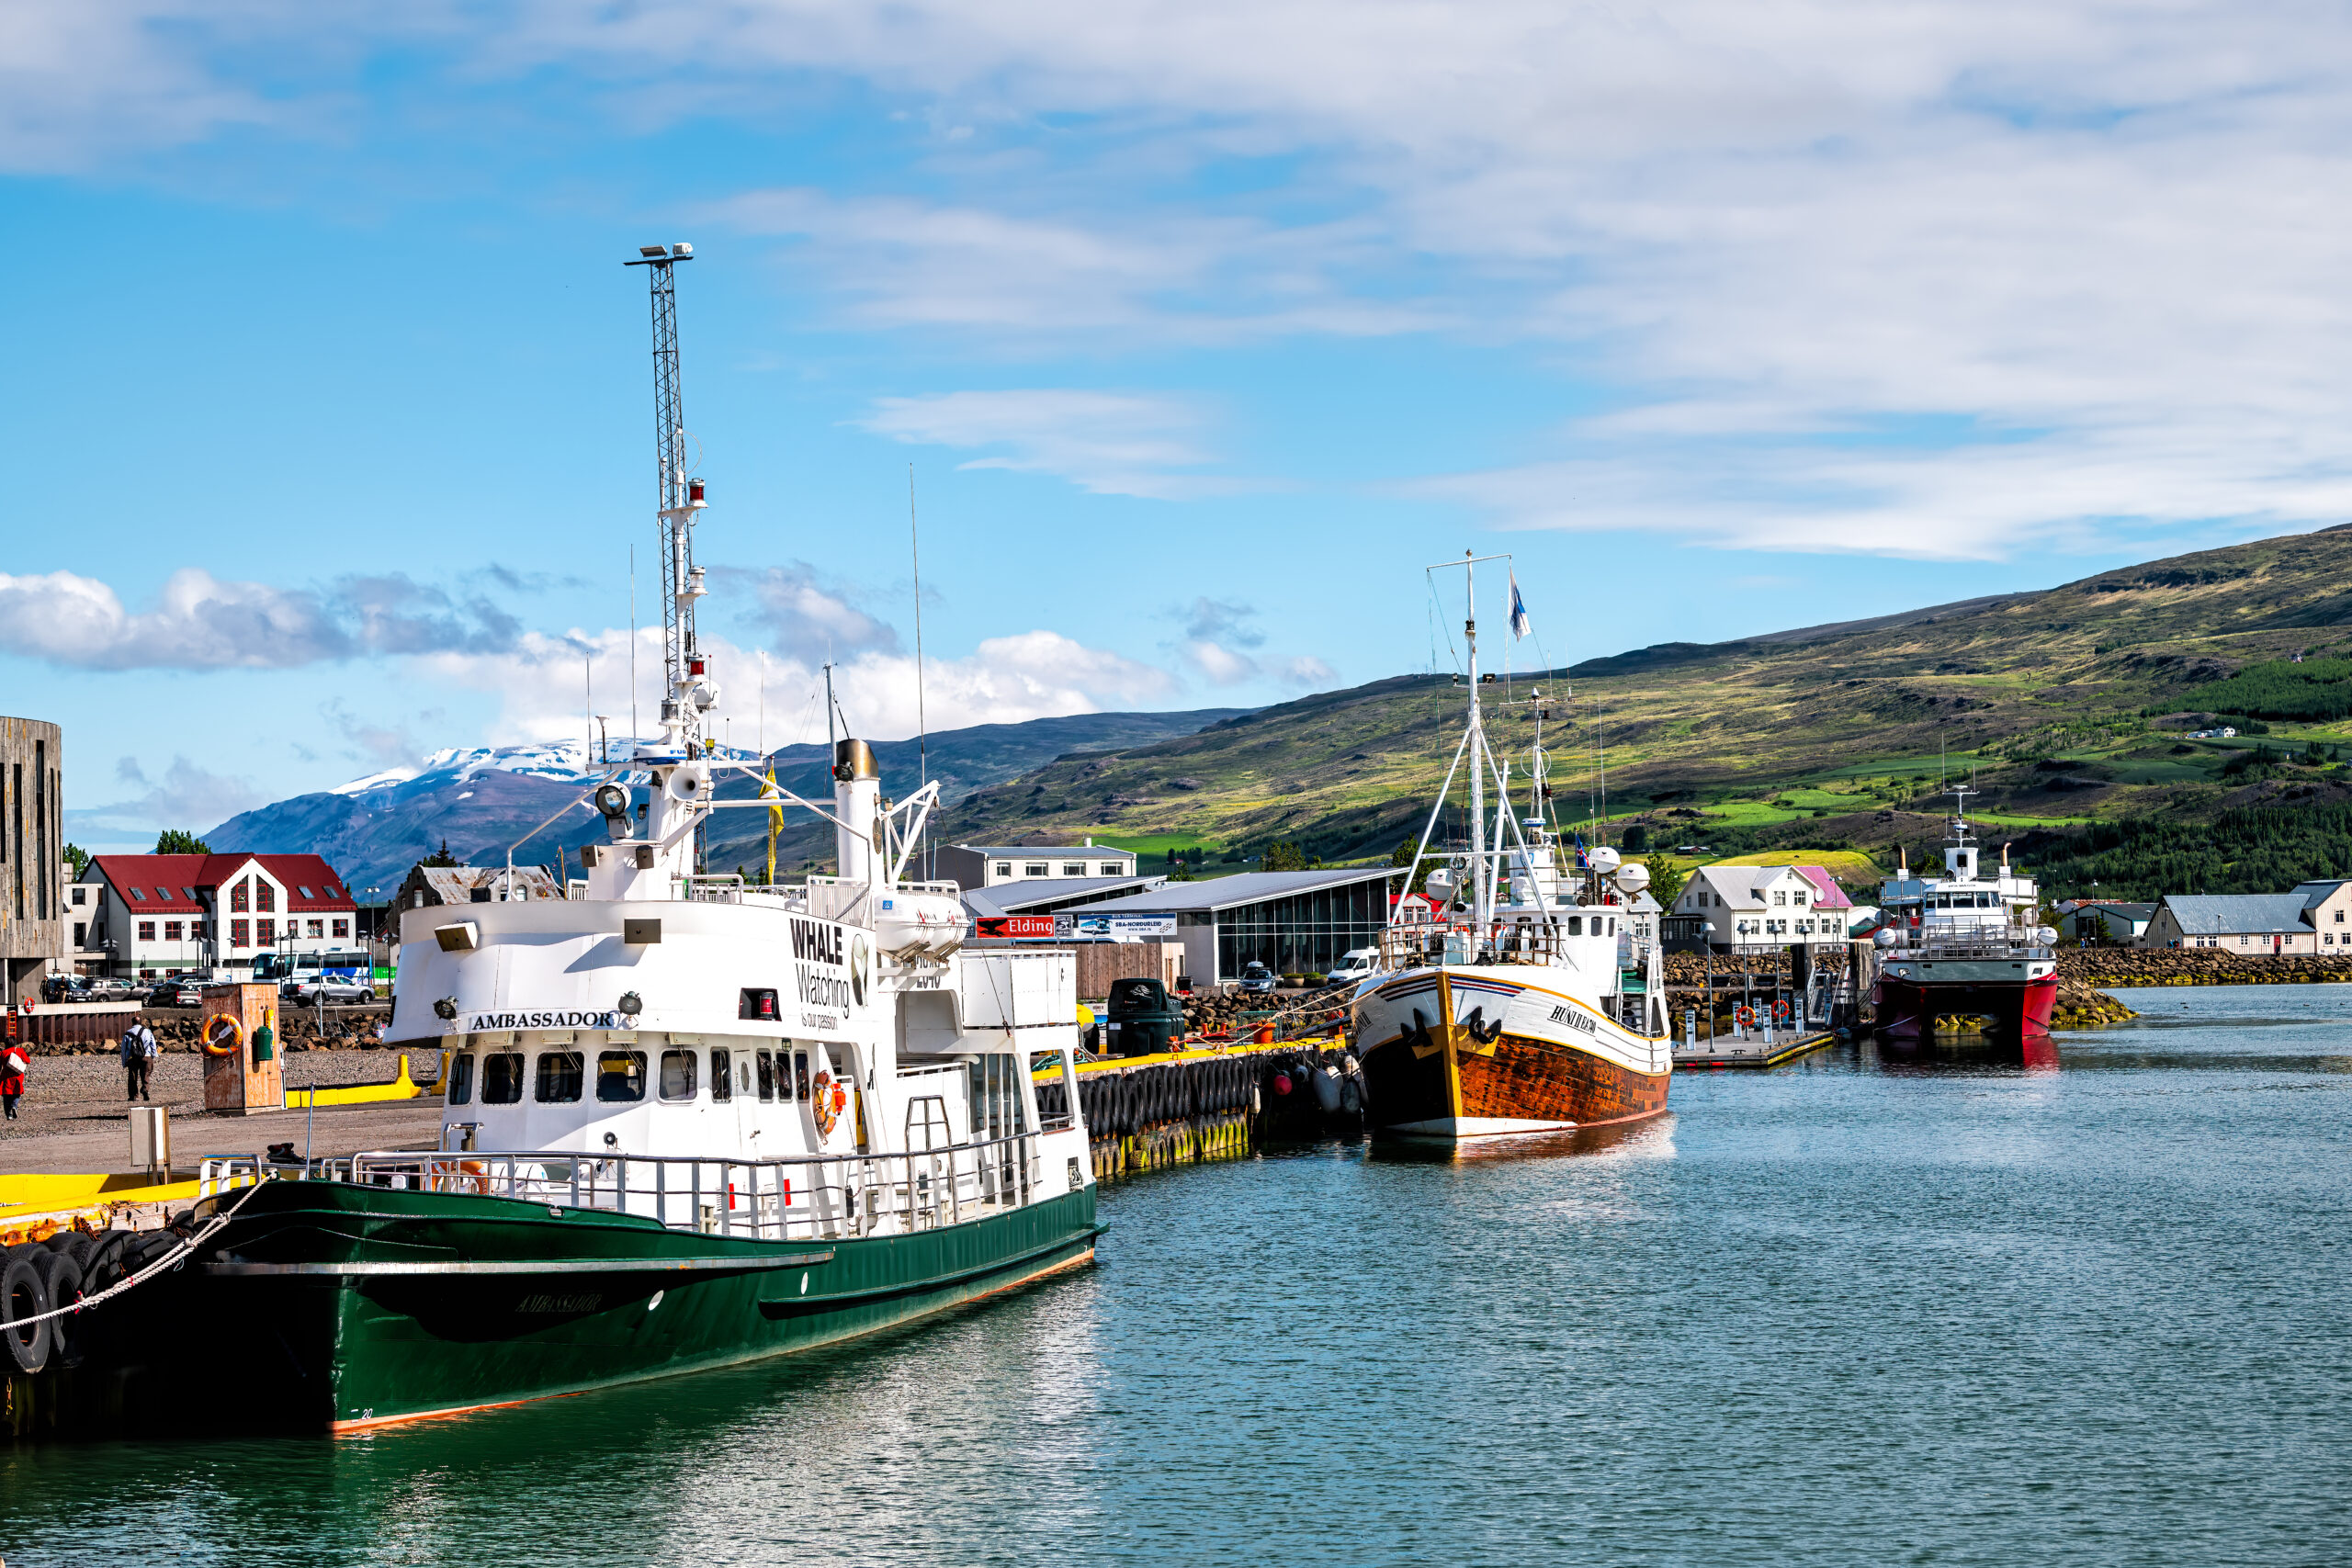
(174, 1256)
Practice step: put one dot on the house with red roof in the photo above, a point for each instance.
(140, 916)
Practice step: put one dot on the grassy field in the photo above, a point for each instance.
(1847, 865)
(2066, 707)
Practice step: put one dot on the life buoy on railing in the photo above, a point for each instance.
(826, 1102)
(223, 1035)
(1745, 1016)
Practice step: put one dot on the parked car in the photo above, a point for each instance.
(1256, 977)
(177, 992)
(336, 993)
(1356, 964)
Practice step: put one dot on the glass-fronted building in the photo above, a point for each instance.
(1293, 922)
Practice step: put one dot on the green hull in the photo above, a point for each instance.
(288, 1321)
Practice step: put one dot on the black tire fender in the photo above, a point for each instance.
(62, 1277)
(22, 1295)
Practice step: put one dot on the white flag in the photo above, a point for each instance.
(1520, 624)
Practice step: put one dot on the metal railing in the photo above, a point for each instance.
(812, 1197)
(1505, 942)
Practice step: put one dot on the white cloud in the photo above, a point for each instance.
(199, 622)
(1005, 680)
(187, 796)
(1877, 257)
(805, 621)
(1109, 443)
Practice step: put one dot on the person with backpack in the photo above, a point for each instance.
(139, 1052)
(13, 1062)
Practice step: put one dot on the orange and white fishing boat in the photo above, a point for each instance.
(1529, 1004)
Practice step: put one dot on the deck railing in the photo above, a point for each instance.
(808, 1198)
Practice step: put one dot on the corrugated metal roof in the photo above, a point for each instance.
(2227, 914)
(1043, 852)
(1250, 888)
(1012, 897)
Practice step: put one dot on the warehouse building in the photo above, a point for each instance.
(1293, 922)
(992, 865)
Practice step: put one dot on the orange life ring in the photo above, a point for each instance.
(826, 1102)
(219, 1043)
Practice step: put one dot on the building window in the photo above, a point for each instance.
(264, 895)
(81, 933)
(79, 899)
(343, 927)
(1779, 899)
(1034, 868)
(2242, 940)
(1800, 899)
(237, 934)
(1005, 868)
(1114, 870)
(318, 927)
(268, 932)
(171, 931)
(1073, 868)
(240, 898)
(146, 930)
(139, 893)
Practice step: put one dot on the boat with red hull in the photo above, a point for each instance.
(1961, 956)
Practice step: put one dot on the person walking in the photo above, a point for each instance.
(13, 1062)
(139, 1050)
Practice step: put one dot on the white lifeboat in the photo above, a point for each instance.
(911, 925)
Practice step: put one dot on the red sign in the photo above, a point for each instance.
(1016, 926)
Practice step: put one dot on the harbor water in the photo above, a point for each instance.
(1858, 1310)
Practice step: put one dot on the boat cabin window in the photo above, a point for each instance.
(783, 1077)
(678, 1075)
(1576, 925)
(501, 1077)
(767, 1074)
(722, 1078)
(800, 1074)
(461, 1079)
(560, 1076)
(620, 1077)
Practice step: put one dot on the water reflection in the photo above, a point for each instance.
(1653, 1138)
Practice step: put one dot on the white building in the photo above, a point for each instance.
(1761, 906)
(990, 865)
(139, 915)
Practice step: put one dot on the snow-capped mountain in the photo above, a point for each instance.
(482, 801)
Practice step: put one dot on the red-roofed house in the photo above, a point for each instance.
(141, 915)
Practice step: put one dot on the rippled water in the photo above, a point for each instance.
(1851, 1312)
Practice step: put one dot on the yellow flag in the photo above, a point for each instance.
(776, 819)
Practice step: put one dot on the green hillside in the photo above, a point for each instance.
(2067, 707)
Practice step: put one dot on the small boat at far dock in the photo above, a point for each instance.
(1963, 955)
(1529, 1006)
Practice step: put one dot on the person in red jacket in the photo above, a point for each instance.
(13, 1062)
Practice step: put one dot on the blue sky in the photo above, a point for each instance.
(1203, 328)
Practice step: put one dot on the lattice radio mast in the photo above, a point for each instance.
(687, 690)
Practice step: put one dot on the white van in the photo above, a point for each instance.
(1356, 964)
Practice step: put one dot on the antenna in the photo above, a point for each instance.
(683, 666)
(922, 725)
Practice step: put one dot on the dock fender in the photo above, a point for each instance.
(22, 1296)
(1327, 1089)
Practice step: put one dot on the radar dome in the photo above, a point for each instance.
(1603, 860)
(1633, 876)
(1441, 884)
(2045, 935)
(1884, 938)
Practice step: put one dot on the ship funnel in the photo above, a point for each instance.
(858, 788)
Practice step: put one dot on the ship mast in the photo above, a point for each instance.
(687, 692)
(1482, 894)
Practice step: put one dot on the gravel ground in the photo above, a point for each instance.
(79, 1094)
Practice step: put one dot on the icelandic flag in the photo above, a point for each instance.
(1520, 624)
